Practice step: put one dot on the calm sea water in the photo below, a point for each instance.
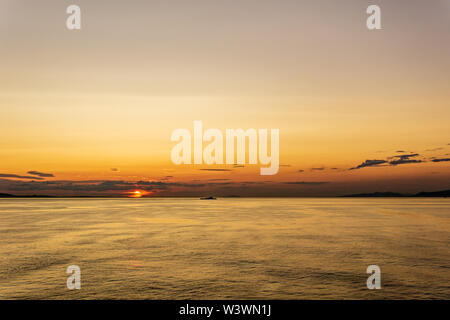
(224, 249)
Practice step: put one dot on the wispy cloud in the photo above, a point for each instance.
(404, 161)
(94, 185)
(41, 174)
(406, 156)
(7, 175)
(393, 161)
(369, 163)
(441, 160)
(308, 183)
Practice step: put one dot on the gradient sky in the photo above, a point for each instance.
(98, 105)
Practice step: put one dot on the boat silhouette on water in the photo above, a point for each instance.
(208, 198)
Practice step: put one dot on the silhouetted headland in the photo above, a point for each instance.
(443, 193)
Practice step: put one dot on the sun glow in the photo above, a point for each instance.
(137, 193)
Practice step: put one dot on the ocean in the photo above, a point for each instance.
(234, 248)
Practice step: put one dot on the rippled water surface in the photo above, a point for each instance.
(227, 248)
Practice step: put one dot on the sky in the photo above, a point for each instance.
(91, 111)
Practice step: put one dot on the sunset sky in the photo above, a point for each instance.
(91, 111)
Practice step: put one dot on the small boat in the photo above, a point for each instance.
(209, 198)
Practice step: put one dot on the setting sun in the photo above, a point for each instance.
(137, 194)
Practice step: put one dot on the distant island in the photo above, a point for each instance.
(8, 195)
(443, 193)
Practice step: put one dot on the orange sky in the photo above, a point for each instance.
(78, 104)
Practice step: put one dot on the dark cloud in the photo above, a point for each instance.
(318, 169)
(406, 156)
(369, 163)
(115, 169)
(397, 160)
(220, 183)
(255, 182)
(404, 161)
(94, 185)
(400, 151)
(285, 165)
(309, 183)
(301, 170)
(7, 175)
(215, 169)
(41, 174)
(441, 160)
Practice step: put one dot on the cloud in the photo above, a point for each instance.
(406, 156)
(441, 160)
(318, 169)
(41, 174)
(309, 183)
(6, 175)
(255, 182)
(404, 161)
(435, 149)
(393, 161)
(301, 170)
(215, 169)
(93, 185)
(115, 169)
(400, 151)
(369, 163)
(285, 165)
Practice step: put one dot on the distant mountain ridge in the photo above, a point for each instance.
(8, 195)
(443, 193)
